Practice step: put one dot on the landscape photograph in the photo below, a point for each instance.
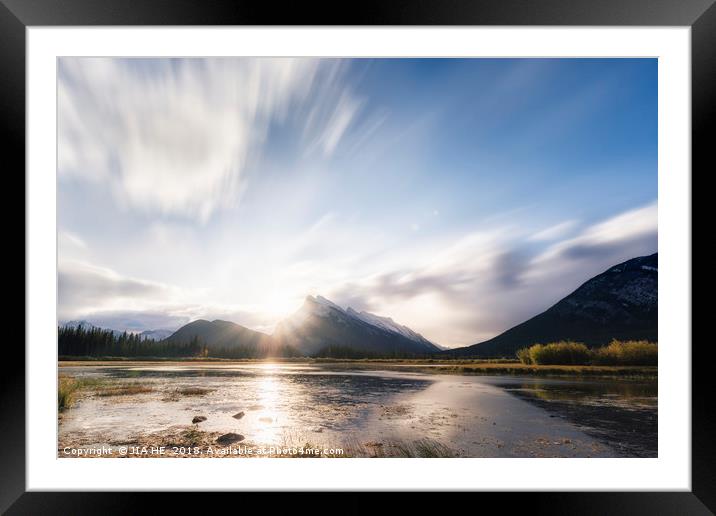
(292, 257)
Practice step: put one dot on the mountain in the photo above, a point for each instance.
(620, 303)
(320, 323)
(145, 335)
(219, 334)
(155, 334)
(85, 325)
(387, 324)
(88, 326)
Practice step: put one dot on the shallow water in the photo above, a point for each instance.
(368, 412)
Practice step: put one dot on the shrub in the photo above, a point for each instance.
(619, 353)
(523, 355)
(560, 353)
(632, 352)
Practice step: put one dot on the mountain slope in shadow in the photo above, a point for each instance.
(621, 303)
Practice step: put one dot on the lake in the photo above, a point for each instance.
(287, 409)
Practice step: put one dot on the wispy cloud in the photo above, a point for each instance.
(83, 288)
(176, 136)
(111, 300)
(634, 229)
(488, 281)
(69, 241)
(554, 232)
(338, 124)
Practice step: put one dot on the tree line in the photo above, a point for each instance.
(97, 342)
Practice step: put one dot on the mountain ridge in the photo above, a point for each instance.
(620, 303)
(155, 334)
(219, 334)
(321, 323)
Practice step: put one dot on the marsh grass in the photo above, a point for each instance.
(423, 448)
(193, 437)
(66, 393)
(123, 390)
(193, 391)
(69, 387)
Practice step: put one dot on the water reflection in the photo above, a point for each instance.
(290, 404)
(272, 413)
(279, 404)
(622, 392)
(620, 413)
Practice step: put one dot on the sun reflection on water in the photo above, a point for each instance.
(271, 416)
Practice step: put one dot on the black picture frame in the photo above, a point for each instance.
(17, 15)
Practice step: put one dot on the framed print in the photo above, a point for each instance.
(419, 246)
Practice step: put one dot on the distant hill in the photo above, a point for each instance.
(155, 334)
(219, 335)
(145, 335)
(85, 325)
(79, 324)
(620, 303)
(320, 323)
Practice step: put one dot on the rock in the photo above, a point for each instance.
(198, 419)
(266, 420)
(238, 416)
(229, 438)
(318, 430)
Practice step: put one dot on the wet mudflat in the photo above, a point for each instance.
(238, 410)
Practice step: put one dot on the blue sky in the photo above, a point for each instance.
(458, 196)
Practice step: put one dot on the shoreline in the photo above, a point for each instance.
(431, 366)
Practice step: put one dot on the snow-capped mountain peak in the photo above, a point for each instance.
(323, 307)
(320, 323)
(320, 306)
(385, 323)
(322, 301)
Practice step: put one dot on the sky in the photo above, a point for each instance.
(457, 196)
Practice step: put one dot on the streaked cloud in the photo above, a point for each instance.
(83, 287)
(70, 243)
(554, 232)
(176, 136)
(634, 229)
(488, 281)
(338, 124)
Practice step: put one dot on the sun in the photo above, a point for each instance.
(280, 303)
